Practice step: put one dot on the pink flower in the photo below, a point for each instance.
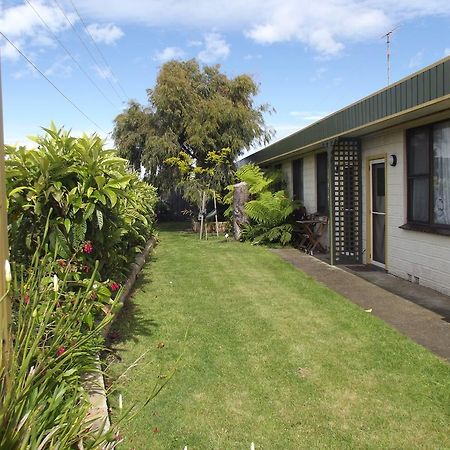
(88, 248)
(60, 351)
(26, 299)
(115, 286)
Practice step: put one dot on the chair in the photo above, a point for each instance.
(317, 232)
(299, 230)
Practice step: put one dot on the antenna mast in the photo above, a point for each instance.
(388, 53)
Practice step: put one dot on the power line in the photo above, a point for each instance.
(70, 54)
(86, 47)
(98, 49)
(53, 84)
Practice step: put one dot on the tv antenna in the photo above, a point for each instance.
(388, 36)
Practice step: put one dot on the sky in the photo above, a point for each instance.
(309, 58)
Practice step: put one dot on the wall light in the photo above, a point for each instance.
(393, 160)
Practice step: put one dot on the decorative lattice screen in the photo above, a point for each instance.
(346, 200)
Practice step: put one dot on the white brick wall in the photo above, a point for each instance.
(422, 255)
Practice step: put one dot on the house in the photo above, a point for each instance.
(380, 170)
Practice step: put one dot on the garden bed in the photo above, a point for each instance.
(78, 216)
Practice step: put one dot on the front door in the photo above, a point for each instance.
(378, 211)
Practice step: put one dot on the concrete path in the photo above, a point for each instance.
(426, 327)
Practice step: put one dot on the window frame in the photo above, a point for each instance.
(325, 211)
(430, 224)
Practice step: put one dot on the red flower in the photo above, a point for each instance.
(60, 351)
(26, 299)
(88, 248)
(115, 286)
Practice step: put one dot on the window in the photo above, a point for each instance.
(276, 171)
(322, 183)
(428, 167)
(297, 179)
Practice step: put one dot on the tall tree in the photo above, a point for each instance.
(192, 111)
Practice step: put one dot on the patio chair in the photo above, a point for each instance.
(318, 231)
(299, 230)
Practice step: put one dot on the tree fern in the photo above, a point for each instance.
(268, 211)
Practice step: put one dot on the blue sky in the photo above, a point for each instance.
(309, 60)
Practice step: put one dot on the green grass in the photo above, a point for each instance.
(271, 356)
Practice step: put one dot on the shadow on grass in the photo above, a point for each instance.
(184, 225)
(131, 322)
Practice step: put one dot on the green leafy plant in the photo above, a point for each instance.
(269, 212)
(99, 209)
(198, 180)
(42, 398)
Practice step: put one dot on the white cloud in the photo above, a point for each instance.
(250, 57)
(325, 26)
(168, 53)
(104, 73)
(24, 27)
(308, 116)
(318, 74)
(106, 34)
(7, 51)
(216, 48)
(322, 26)
(60, 68)
(416, 60)
(195, 43)
(27, 72)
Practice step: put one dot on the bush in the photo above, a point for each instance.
(43, 402)
(269, 212)
(99, 209)
(77, 215)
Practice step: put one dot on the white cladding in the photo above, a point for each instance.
(418, 256)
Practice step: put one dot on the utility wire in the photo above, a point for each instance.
(108, 66)
(70, 54)
(86, 47)
(53, 84)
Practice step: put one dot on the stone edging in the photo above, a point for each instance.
(94, 382)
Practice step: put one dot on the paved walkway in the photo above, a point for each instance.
(427, 327)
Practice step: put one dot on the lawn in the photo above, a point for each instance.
(268, 356)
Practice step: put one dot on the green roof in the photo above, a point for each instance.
(419, 88)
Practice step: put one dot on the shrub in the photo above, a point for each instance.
(269, 212)
(43, 402)
(99, 209)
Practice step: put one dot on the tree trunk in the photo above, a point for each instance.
(240, 219)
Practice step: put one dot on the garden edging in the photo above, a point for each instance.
(98, 413)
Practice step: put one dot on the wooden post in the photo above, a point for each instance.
(206, 213)
(5, 305)
(201, 214)
(217, 220)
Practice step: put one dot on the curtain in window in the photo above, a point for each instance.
(441, 178)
